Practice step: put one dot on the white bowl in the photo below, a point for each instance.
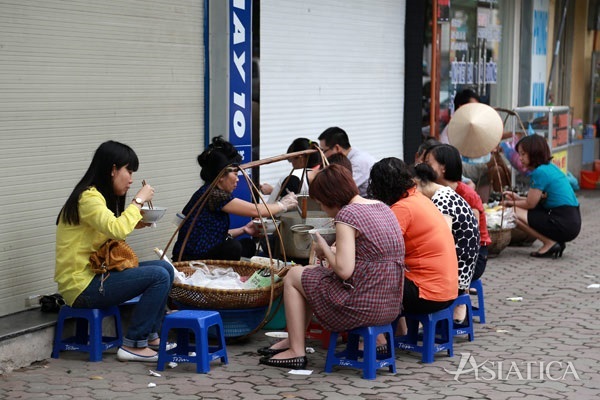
(327, 233)
(152, 215)
(269, 225)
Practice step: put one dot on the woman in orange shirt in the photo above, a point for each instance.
(431, 280)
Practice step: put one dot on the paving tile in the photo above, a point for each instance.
(556, 322)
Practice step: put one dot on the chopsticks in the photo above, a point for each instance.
(149, 201)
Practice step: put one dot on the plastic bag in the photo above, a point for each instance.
(217, 278)
(495, 220)
(179, 276)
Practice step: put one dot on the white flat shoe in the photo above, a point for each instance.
(125, 355)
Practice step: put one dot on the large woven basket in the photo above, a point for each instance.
(500, 239)
(223, 299)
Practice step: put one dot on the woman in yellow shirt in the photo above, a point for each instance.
(95, 212)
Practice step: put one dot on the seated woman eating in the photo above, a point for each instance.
(550, 212)
(431, 281)
(362, 282)
(445, 160)
(462, 221)
(305, 167)
(208, 235)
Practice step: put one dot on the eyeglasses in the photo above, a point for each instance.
(326, 150)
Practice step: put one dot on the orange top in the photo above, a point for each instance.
(430, 256)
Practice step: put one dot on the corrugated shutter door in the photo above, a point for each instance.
(72, 75)
(331, 63)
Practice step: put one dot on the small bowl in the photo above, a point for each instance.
(327, 233)
(301, 237)
(151, 215)
(270, 225)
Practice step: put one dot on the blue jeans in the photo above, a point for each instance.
(152, 280)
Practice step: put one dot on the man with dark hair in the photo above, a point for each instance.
(335, 140)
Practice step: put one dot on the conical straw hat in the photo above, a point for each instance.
(475, 129)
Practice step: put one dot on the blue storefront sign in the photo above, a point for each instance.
(539, 52)
(240, 87)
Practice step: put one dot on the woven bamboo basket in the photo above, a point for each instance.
(500, 240)
(219, 299)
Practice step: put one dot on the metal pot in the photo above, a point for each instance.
(315, 218)
(301, 237)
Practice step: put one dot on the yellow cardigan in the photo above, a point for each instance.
(75, 243)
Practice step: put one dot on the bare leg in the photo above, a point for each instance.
(298, 314)
(401, 329)
(522, 223)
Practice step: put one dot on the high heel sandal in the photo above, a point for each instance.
(292, 363)
(552, 252)
(563, 246)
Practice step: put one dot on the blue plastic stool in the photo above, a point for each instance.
(479, 311)
(199, 321)
(436, 336)
(465, 328)
(371, 361)
(134, 300)
(85, 340)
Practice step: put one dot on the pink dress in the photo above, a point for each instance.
(373, 294)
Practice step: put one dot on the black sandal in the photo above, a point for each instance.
(381, 350)
(292, 363)
(267, 351)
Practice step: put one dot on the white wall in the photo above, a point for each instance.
(75, 73)
(331, 63)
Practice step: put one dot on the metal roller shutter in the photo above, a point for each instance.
(74, 73)
(331, 63)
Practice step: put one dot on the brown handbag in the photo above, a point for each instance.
(113, 255)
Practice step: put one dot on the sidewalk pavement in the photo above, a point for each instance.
(543, 347)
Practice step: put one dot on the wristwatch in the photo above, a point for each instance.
(139, 201)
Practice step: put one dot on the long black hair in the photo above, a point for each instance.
(99, 175)
(301, 144)
(448, 156)
(389, 180)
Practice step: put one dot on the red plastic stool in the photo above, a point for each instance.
(316, 331)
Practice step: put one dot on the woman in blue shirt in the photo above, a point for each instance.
(550, 212)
